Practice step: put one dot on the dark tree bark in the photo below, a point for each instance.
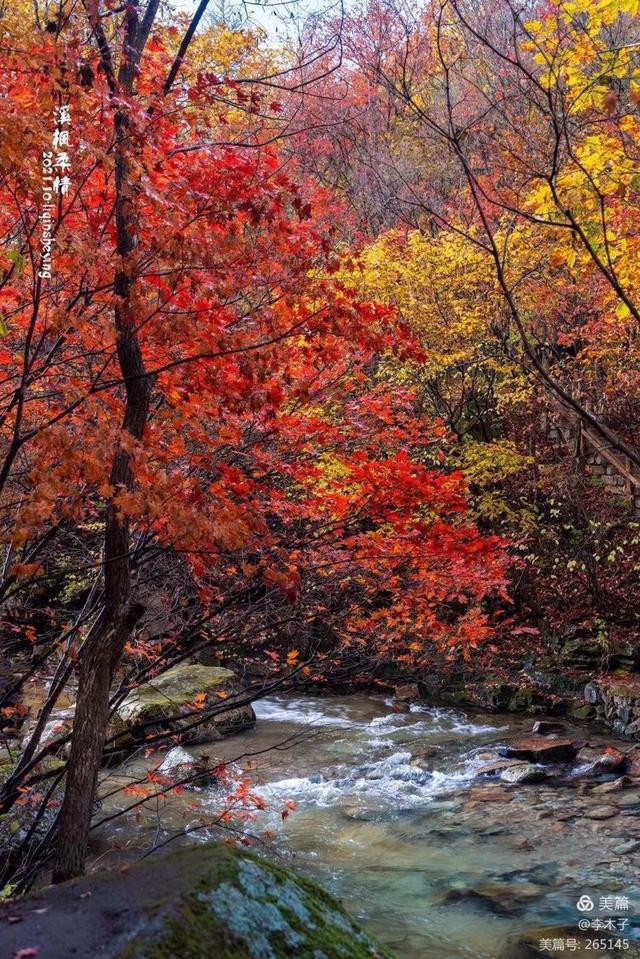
(103, 649)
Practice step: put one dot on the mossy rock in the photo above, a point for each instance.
(523, 701)
(527, 699)
(207, 902)
(581, 710)
(166, 703)
(622, 687)
(254, 909)
(496, 695)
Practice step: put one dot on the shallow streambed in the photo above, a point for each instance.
(392, 817)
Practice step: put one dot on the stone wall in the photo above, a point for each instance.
(600, 464)
(616, 700)
(580, 678)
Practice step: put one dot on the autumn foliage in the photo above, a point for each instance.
(310, 357)
(267, 437)
(195, 393)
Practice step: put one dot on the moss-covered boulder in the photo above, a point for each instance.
(173, 700)
(209, 902)
(580, 710)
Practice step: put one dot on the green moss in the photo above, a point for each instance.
(578, 710)
(522, 699)
(626, 691)
(252, 909)
(177, 687)
(527, 699)
(167, 699)
(48, 765)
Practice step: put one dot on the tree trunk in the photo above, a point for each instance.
(88, 740)
(99, 659)
(104, 647)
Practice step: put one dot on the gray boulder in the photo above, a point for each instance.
(193, 771)
(171, 702)
(522, 773)
(200, 902)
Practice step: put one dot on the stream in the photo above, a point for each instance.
(392, 817)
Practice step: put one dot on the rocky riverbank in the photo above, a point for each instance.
(447, 832)
(441, 828)
(577, 677)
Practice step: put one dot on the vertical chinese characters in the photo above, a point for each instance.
(56, 166)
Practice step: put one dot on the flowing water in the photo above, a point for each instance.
(391, 817)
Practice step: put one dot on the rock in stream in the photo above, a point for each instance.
(167, 703)
(209, 901)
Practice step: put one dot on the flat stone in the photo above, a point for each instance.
(501, 898)
(566, 814)
(489, 794)
(630, 800)
(617, 785)
(407, 692)
(543, 750)
(494, 830)
(497, 766)
(626, 848)
(601, 812)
